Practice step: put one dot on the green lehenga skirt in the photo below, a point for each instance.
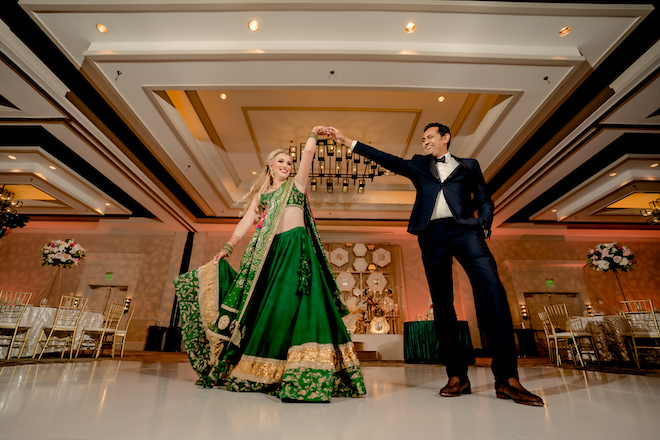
(296, 345)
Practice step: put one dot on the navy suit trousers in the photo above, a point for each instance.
(442, 240)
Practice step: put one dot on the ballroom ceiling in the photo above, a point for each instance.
(128, 129)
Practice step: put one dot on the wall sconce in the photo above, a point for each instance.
(127, 304)
(523, 314)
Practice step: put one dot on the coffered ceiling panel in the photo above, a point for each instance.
(134, 117)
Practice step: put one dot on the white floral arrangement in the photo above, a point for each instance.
(611, 256)
(65, 253)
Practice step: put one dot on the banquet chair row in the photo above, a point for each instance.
(12, 333)
(112, 334)
(557, 327)
(643, 330)
(98, 334)
(62, 332)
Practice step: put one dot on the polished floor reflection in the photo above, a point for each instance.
(140, 400)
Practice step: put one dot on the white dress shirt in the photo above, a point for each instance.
(441, 209)
(445, 168)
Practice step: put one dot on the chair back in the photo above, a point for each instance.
(128, 323)
(113, 317)
(69, 311)
(640, 315)
(547, 326)
(558, 317)
(13, 305)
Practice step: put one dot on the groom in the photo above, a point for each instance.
(449, 191)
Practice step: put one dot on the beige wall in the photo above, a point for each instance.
(524, 262)
(20, 268)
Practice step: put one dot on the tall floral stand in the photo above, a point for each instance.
(618, 287)
(50, 294)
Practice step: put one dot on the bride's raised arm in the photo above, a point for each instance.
(307, 155)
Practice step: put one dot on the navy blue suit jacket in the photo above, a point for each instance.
(464, 189)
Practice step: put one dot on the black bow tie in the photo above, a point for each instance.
(440, 159)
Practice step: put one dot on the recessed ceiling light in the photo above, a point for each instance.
(254, 173)
(612, 174)
(107, 204)
(441, 98)
(564, 31)
(52, 167)
(12, 157)
(101, 28)
(554, 210)
(653, 165)
(410, 28)
(253, 25)
(223, 96)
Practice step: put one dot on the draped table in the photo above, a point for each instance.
(608, 335)
(420, 344)
(38, 317)
(608, 332)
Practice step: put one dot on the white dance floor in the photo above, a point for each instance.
(135, 400)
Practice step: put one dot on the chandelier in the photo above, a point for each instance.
(653, 212)
(338, 166)
(9, 219)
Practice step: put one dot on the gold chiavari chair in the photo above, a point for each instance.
(12, 308)
(644, 332)
(120, 336)
(560, 326)
(549, 335)
(64, 327)
(97, 334)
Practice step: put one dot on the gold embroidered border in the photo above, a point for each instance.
(209, 308)
(310, 355)
(322, 356)
(258, 369)
(208, 293)
(349, 356)
(229, 309)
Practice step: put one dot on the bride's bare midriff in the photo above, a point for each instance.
(291, 218)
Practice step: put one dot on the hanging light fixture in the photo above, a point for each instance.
(653, 212)
(9, 218)
(336, 163)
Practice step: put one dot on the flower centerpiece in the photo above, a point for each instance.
(611, 256)
(614, 257)
(62, 253)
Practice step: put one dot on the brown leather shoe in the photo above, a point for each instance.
(514, 390)
(455, 387)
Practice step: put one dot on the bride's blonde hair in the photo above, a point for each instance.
(263, 182)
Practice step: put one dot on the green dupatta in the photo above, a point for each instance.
(213, 298)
